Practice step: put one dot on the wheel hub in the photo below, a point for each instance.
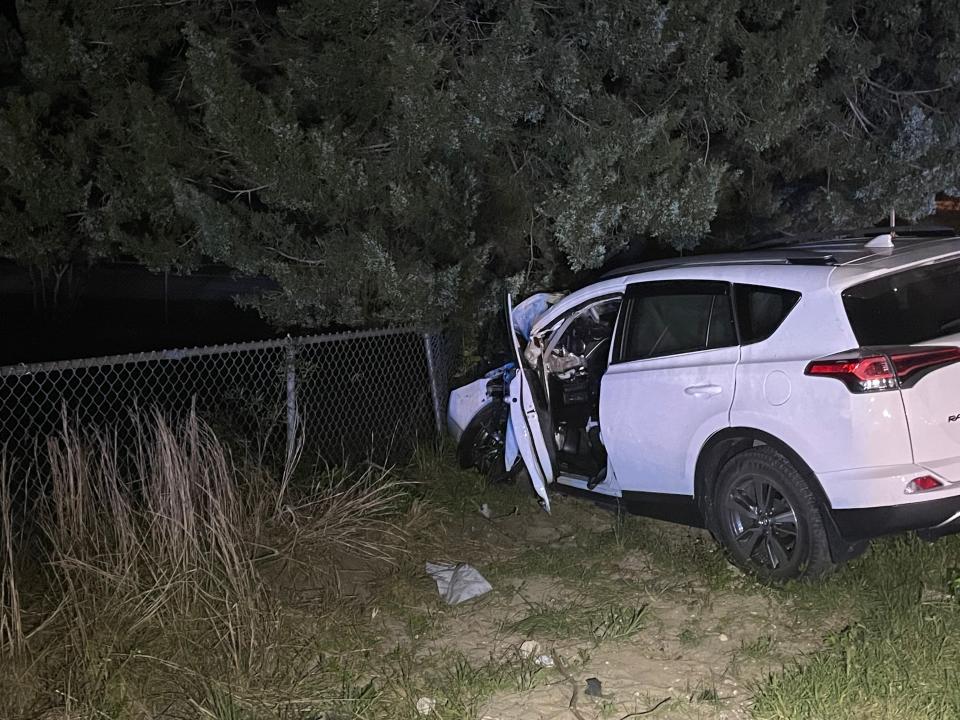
(761, 521)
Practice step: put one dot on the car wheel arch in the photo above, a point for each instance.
(723, 445)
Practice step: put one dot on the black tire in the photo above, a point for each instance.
(481, 446)
(769, 518)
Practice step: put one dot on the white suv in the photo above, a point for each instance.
(796, 400)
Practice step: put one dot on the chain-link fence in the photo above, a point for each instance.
(349, 395)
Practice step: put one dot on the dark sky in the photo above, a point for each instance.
(123, 307)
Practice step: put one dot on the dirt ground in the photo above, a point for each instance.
(651, 610)
(707, 675)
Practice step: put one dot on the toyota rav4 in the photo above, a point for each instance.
(796, 400)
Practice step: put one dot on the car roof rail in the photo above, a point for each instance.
(846, 235)
(642, 267)
(809, 258)
(812, 260)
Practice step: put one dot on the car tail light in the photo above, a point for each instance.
(922, 484)
(875, 369)
(868, 374)
(921, 359)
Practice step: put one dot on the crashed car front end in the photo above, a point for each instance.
(478, 418)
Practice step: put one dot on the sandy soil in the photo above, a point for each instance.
(698, 653)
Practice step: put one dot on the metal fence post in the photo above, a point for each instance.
(291, 374)
(434, 382)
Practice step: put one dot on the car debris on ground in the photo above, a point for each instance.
(458, 582)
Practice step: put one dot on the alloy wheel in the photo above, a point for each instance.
(761, 522)
(488, 450)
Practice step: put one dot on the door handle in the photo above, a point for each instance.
(703, 390)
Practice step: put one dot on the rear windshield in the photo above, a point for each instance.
(906, 307)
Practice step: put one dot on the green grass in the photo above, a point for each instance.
(580, 560)
(690, 636)
(570, 620)
(457, 685)
(757, 649)
(897, 659)
(460, 492)
(311, 648)
(680, 552)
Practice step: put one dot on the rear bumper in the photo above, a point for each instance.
(935, 517)
(880, 486)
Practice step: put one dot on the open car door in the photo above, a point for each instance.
(529, 417)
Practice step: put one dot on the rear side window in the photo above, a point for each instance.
(669, 318)
(907, 307)
(761, 310)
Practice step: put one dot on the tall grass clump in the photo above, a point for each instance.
(155, 527)
(11, 622)
(141, 567)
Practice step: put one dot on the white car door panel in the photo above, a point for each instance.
(656, 412)
(527, 420)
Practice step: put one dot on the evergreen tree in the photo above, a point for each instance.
(388, 161)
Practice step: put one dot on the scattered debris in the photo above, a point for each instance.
(594, 687)
(648, 710)
(458, 583)
(723, 637)
(576, 690)
(487, 512)
(529, 648)
(544, 661)
(934, 596)
(426, 706)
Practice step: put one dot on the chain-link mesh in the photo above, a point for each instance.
(351, 395)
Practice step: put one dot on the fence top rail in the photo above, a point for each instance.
(206, 350)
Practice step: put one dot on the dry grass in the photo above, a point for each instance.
(11, 623)
(136, 573)
(157, 528)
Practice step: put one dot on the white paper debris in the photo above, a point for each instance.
(458, 583)
(529, 648)
(544, 661)
(485, 511)
(426, 706)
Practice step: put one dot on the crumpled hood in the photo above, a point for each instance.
(527, 312)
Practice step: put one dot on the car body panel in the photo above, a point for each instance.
(464, 404)
(879, 486)
(651, 415)
(933, 414)
(525, 420)
(609, 488)
(531, 443)
(829, 427)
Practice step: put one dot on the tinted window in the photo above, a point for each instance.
(674, 318)
(907, 307)
(761, 310)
